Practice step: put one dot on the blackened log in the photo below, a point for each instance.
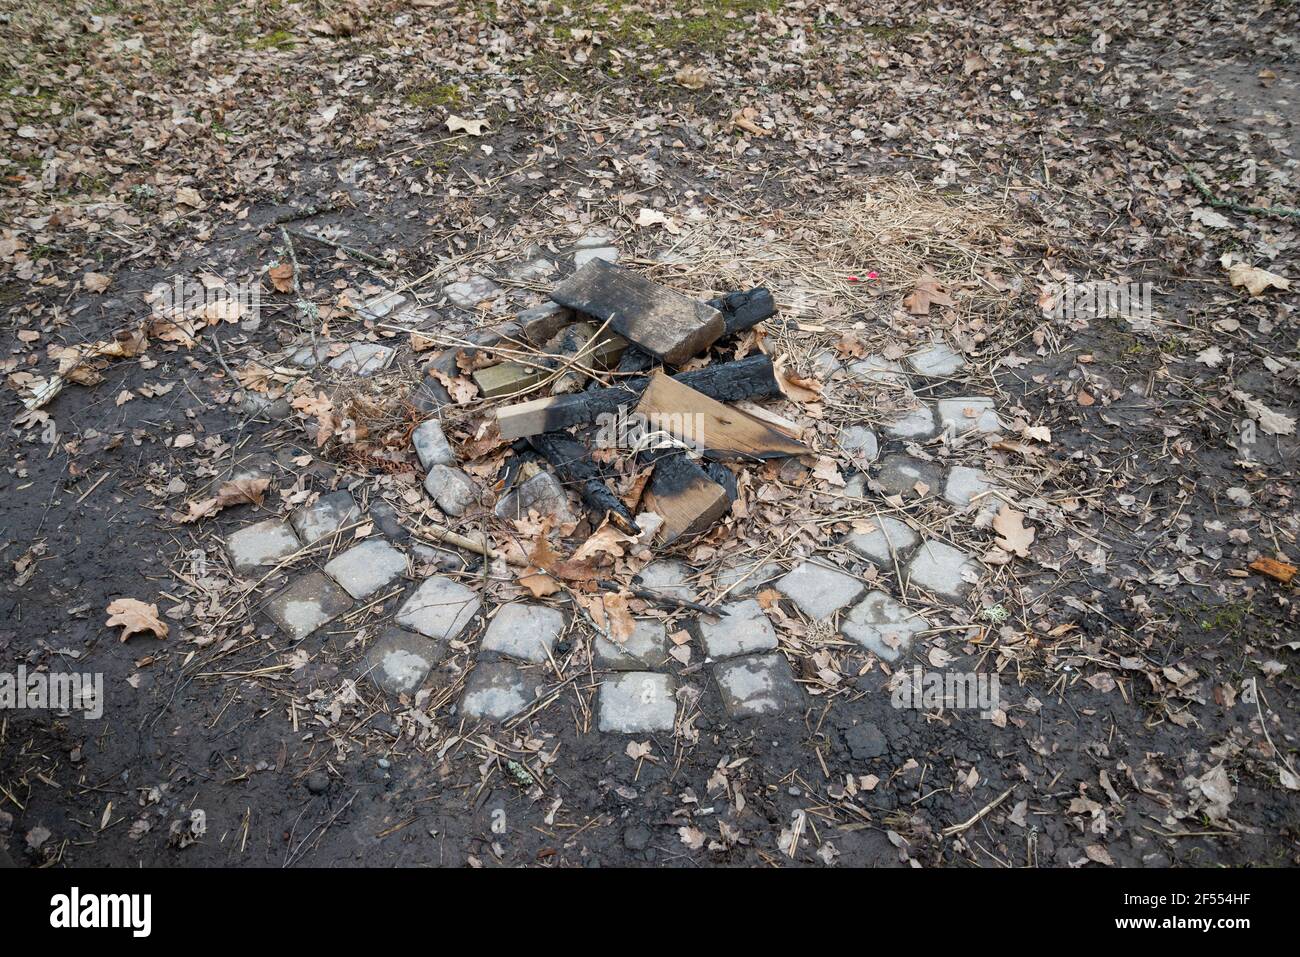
(748, 378)
(744, 310)
(572, 462)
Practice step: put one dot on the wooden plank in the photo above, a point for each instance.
(515, 375)
(683, 494)
(1278, 571)
(507, 378)
(665, 323)
(749, 378)
(722, 431)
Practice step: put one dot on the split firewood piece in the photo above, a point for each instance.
(721, 431)
(1278, 571)
(684, 495)
(665, 323)
(744, 310)
(572, 461)
(570, 345)
(749, 378)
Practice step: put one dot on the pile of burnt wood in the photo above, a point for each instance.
(606, 322)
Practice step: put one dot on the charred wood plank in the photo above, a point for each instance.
(664, 322)
(572, 462)
(748, 378)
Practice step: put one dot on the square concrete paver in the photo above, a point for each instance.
(636, 702)
(262, 544)
(741, 628)
(891, 538)
(451, 489)
(307, 603)
(942, 570)
(757, 685)
(440, 608)
(882, 626)
(964, 484)
(670, 577)
(399, 661)
(968, 413)
(523, 630)
(936, 360)
(820, 591)
(363, 358)
(470, 292)
(916, 423)
(860, 444)
(900, 474)
(324, 516)
(646, 649)
(364, 569)
(496, 690)
(877, 369)
(750, 576)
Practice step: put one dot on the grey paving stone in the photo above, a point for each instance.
(595, 239)
(936, 360)
(645, 650)
(541, 323)
(740, 629)
(892, 538)
(757, 685)
(364, 569)
(856, 487)
(440, 608)
(250, 467)
(876, 368)
(750, 574)
(250, 403)
(537, 268)
(496, 690)
(825, 364)
(524, 630)
(447, 559)
(382, 305)
(860, 444)
(451, 489)
(431, 445)
(400, 660)
(916, 423)
(583, 256)
(942, 570)
(363, 358)
(325, 516)
(307, 603)
(635, 702)
(670, 577)
(470, 292)
(899, 474)
(965, 484)
(818, 590)
(968, 413)
(542, 493)
(310, 355)
(264, 543)
(882, 626)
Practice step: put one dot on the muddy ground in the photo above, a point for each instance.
(1128, 641)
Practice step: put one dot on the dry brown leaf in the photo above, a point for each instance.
(282, 277)
(135, 616)
(1013, 534)
(927, 292)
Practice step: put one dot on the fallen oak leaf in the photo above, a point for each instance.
(135, 616)
(458, 124)
(1013, 535)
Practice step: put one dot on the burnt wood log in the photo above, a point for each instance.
(748, 378)
(572, 462)
(744, 310)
